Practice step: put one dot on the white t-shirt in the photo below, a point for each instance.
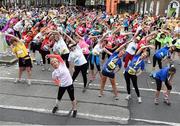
(131, 49)
(18, 26)
(97, 49)
(77, 57)
(62, 73)
(60, 47)
(38, 37)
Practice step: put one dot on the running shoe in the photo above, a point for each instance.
(29, 82)
(55, 109)
(100, 95)
(49, 69)
(156, 101)
(128, 97)
(167, 101)
(74, 113)
(139, 100)
(17, 81)
(84, 90)
(116, 98)
(43, 68)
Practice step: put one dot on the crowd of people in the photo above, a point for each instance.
(77, 39)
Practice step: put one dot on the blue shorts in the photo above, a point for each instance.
(108, 74)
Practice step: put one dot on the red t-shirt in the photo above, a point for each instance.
(141, 43)
(45, 44)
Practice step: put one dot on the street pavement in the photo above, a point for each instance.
(23, 104)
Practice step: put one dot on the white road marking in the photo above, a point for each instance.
(115, 118)
(92, 84)
(41, 110)
(157, 122)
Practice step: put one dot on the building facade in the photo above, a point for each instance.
(159, 7)
(120, 6)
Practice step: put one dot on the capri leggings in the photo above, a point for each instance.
(95, 59)
(155, 59)
(70, 90)
(159, 84)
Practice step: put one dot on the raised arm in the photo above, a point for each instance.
(56, 56)
(143, 47)
(76, 33)
(103, 37)
(10, 35)
(74, 42)
(122, 46)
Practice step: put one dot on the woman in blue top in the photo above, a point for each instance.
(134, 69)
(165, 74)
(109, 71)
(161, 55)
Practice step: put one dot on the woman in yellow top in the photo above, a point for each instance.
(19, 49)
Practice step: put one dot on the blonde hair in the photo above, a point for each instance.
(54, 59)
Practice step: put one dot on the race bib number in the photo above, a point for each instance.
(132, 71)
(19, 52)
(112, 65)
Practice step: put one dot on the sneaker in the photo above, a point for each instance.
(29, 82)
(139, 100)
(100, 95)
(167, 101)
(128, 97)
(43, 69)
(149, 62)
(74, 113)
(55, 109)
(156, 101)
(17, 81)
(116, 98)
(49, 69)
(84, 90)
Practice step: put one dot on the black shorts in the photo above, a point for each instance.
(108, 74)
(25, 62)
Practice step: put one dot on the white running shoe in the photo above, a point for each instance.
(29, 82)
(156, 101)
(139, 100)
(49, 69)
(149, 61)
(116, 98)
(43, 68)
(17, 81)
(128, 97)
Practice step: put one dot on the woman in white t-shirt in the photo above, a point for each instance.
(62, 77)
(77, 57)
(61, 48)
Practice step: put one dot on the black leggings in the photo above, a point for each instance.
(87, 59)
(155, 59)
(17, 34)
(70, 90)
(104, 55)
(83, 69)
(43, 54)
(134, 81)
(157, 44)
(159, 84)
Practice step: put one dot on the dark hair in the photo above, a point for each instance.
(172, 69)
